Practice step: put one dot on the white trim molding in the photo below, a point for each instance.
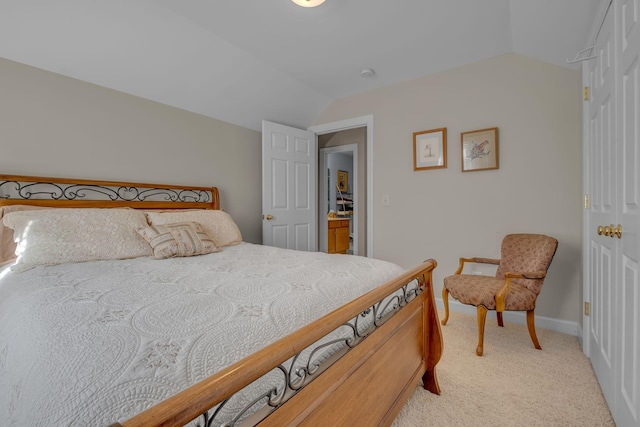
(519, 317)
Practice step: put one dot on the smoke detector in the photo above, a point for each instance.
(367, 73)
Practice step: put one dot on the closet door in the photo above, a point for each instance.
(628, 372)
(601, 185)
(612, 250)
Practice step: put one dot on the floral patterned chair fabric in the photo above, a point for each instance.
(522, 268)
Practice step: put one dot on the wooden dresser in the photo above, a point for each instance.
(338, 242)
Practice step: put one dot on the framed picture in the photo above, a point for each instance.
(430, 149)
(479, 149)
(343, 181)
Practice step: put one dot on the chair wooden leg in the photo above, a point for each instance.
(482, 316)
(445, 300)
(500, 322)
(532, 329)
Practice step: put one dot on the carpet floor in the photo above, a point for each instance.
(512, 384)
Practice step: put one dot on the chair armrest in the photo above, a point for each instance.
(527, 275)
(535, 275)
(487, 261)
(477, 260)
(461, 265)
(501, 295)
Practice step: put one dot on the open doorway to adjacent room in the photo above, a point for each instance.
(342, 191)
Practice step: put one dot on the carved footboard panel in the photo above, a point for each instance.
(369, 384)
(368, 380)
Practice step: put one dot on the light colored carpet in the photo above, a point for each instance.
(512, 384)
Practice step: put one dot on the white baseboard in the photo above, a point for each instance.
(580, 336)
(520, 317)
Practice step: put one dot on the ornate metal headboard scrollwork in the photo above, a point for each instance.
(63, 192)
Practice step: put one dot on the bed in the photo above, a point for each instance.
(353, 344)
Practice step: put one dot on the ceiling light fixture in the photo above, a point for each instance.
(308, 3)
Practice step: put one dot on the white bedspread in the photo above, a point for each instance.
(91, 343)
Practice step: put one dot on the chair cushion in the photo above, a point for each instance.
(481, 290)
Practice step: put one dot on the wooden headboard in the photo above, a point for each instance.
(83, 193)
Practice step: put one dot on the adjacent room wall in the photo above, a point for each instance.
(445, 213)
(339, 162)
(51, 125)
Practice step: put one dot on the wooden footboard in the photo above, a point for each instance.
(368, 384)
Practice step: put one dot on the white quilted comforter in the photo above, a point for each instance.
(91, 343)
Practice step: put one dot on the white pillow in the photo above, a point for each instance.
(7, 245)
(56, 236)
(217, 224)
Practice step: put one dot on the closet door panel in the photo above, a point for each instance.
(602, 168)
(627, 411)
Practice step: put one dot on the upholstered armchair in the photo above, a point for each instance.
(522, 267)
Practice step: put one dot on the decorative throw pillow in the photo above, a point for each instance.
(217, 224)
(178, 240)
(56, 236)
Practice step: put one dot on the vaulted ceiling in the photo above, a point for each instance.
(242, 61)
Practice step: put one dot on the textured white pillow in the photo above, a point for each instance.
(56, 236)
(217, 224)
(7, 245)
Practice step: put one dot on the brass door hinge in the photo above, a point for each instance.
(586, 308)
(586, 201)
(586, 93)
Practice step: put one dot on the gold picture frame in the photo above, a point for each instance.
(343, 181)
(479, 150)
(430, 149)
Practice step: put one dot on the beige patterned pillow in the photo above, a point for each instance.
(178, 240)
(217, 224)
(57, 236)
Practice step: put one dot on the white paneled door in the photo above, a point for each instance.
(628, 193)
(602, 185)
(613, 218)
(289, 175)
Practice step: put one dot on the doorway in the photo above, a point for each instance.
(338, 192)
(348, 148)
(365, 171)
(364, 125)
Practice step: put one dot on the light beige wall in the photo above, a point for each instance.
(444, 213)
(51, 125)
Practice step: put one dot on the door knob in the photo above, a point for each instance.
(616, 230)
(610, 230)
(269, 217)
